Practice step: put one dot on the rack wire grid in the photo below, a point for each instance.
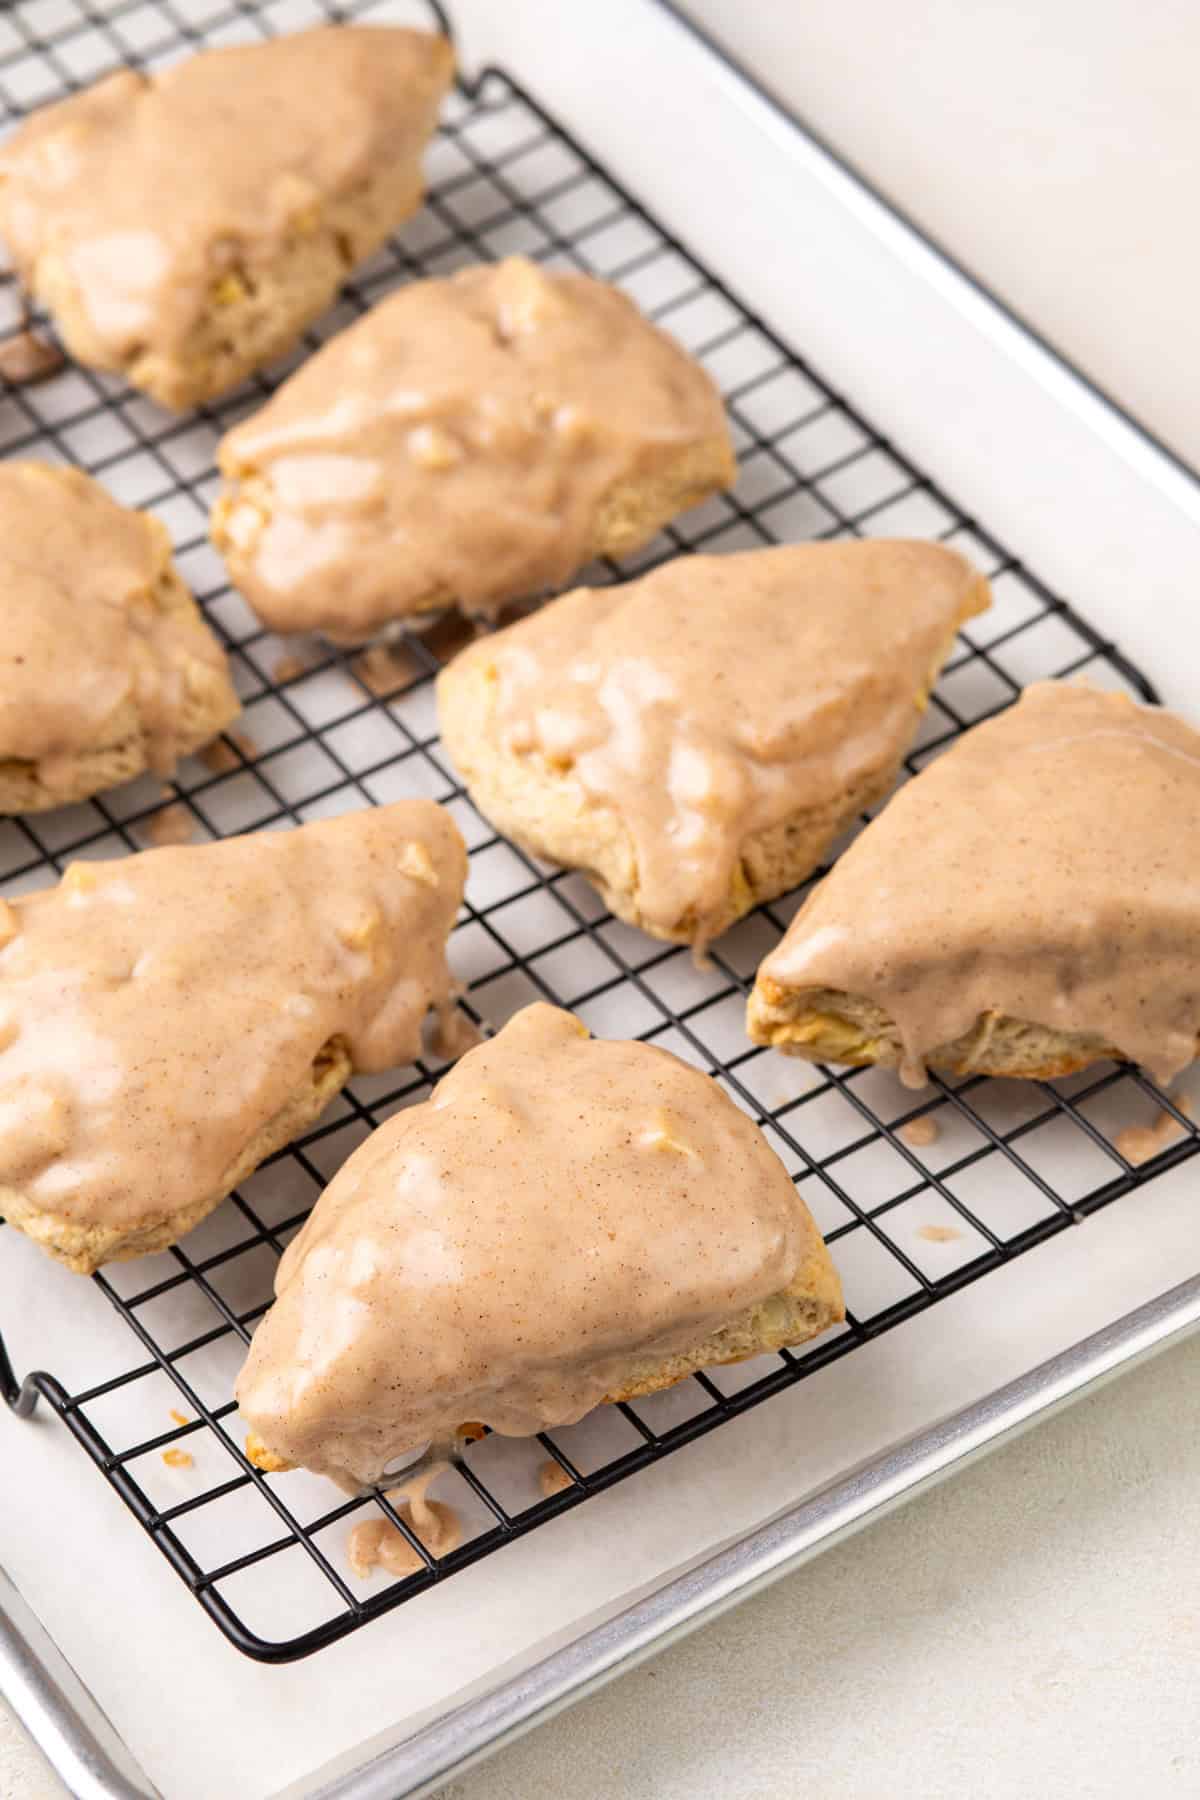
(908, 1222)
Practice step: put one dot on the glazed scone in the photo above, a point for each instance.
(183, 227)
(170, 1019)
(1026, 906)
(564, 1221)
(695, 740)
(107, 667)
(473, 440)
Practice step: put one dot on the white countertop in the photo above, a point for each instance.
(1051, 146)
(1030, 1626)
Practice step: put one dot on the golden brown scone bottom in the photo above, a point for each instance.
(471, 441)
(824, 1026)
(695, 740)
(168, 1020)
(1025, 907)
(107, 667)
(565, 1222)
(184, 227)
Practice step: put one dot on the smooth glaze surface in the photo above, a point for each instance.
(1043, 869)
(157, 1011)
(561, 1208)
(719, 696)
(458, 443)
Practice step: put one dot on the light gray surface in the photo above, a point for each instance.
(1029, 1628)
(1053, 146)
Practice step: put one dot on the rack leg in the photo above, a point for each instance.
(22, 1396)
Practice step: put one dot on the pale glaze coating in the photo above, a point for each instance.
(82, 626)
(1044, 869)
(499, 1253)
(720, 695)
(156, 1012)
(376, 1543)
(457, 444)
(147, 190)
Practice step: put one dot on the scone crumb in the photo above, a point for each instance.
(938, 1234)
(385, 669)
(219, 757)
(921, 1132)
(178, 1459)
(222, 755)
(179, 1418)
(264, 1459)
(173, 825)
(553, 1479)
(27, 358)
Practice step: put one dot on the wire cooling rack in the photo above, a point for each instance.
(909, 1221)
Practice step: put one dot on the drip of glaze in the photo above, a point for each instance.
(1138, 1143)
(27, 358)
(376, 1543)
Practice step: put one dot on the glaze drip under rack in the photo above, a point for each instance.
(907, 1225)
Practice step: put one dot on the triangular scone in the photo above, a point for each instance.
(107, 667)
(565, 1221)
(183, 227)
(168, 1020)
(695, 740)
(472, 440)
(1026, 906)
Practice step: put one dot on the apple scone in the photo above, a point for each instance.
(108, 667)
(565, 1221)
(470, 442)
(183, 227)
(170, 1019)
(696, 739)
(1026, 906)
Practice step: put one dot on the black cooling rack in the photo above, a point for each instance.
(909, 1223)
